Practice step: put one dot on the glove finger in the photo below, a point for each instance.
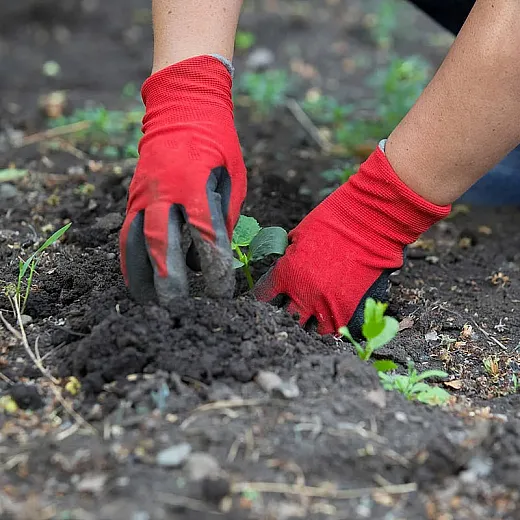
(219, 182)
(135, 262)
(162, 230)
(216, 259)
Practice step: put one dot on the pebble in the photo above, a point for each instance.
(268, 381)
(202, 465)
(92, 483)
(260, 59)
(8, 191)
(431, 336)
(273, 384)
(26, 319)
(174, 456)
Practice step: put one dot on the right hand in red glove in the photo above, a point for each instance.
(346, 248)
(190, 171)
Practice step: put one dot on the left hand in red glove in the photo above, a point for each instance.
(346, 248)
(190, 172)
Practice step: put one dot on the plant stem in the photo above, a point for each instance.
(249, 278)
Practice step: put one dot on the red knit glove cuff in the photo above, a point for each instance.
(194, 90)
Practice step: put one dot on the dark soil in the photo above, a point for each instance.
(328, 443)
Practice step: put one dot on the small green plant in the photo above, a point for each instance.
(113, 134)
(397, 87)
(252, 243)
(266, 90)
(413, 387)
(378, 330)
(244, 40)
(492, 365)
(384, 23)
(16, 293)
(515, 383)
(326, 109)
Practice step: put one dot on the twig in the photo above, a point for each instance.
(23, 338)
(6, 379)
(231, 403)
(52, 133)
(299, 114)
(38, 363)
(220, 405)
(317, 492)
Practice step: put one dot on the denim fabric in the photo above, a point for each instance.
(500, 186)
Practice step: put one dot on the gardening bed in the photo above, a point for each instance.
(158, 413)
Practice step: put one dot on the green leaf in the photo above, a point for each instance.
(434, 396)
(384, 365)
(53, 238)
(246, 229)
(373, 322)
(268, 241)
(431, 373)
(12, 174)
(388, 331)
(237, 264)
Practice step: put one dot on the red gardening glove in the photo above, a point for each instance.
(190, 171)
(346, 248)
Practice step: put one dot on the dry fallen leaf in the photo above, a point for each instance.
(456, 384)
(406, 323)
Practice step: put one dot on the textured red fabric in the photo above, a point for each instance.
(343, 246)
(188, 130)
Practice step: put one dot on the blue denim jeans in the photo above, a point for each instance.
(500, 186)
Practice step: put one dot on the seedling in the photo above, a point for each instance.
(252, 243)
(26, 272)
(491, 365)
(515, 383)
(267, 90)
(377, 329)
(384, 23)
(326, 109)
(413, 387)
(112, 134)
(244, 40)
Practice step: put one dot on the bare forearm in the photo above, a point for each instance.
(183, 29)
(468, 118)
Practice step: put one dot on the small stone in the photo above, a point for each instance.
(8, 191)
(431, 336)
(287, 390)
(273, 384)
(174, 456)
(268, 381)
(93, 483)
(202, 465)
(111, 256)
(401, 417)
(260, 59)
(26, 319)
